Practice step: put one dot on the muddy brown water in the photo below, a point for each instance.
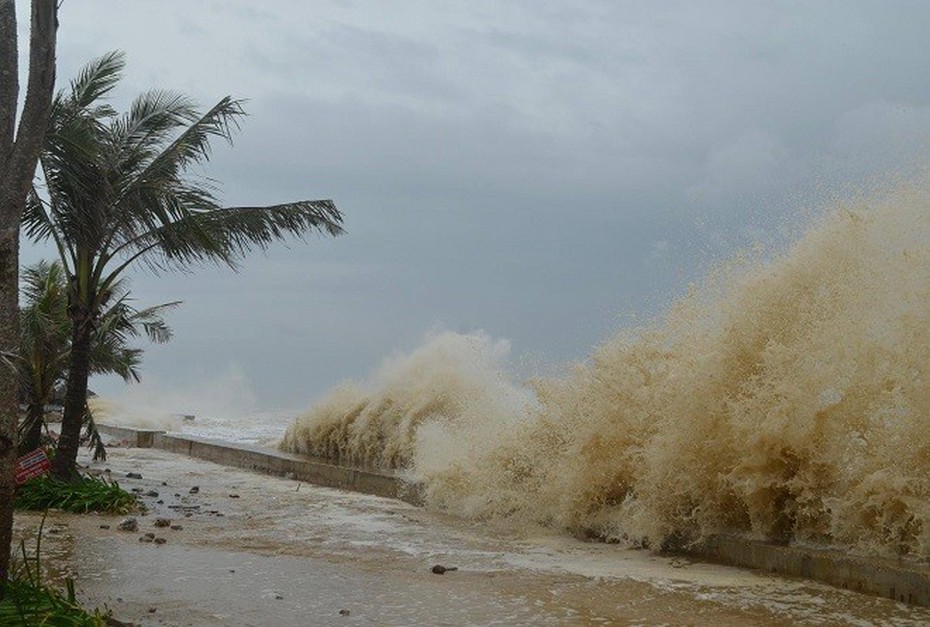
(259, 550)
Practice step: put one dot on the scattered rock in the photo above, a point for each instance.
(130, 524)
(344, 612)
(194, 490)
(145, 538)
(162, 522)
(232, 570)
(176, 527)
(149, 535)
(160, 540)
(151, 610)
(160, 502)
(233, 496)
(136, 490)
(133, 475)
(164, 483)
(439, 569)
(104, 526)
(278, 597)
(188, 514)
(152, 493)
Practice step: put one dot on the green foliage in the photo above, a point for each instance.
(127, 190)
(28, 601)
(46, 344)
(87, 494)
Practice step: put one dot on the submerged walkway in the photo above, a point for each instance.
(897, 580)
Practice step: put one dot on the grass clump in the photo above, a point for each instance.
(27, 601)
(87, 494)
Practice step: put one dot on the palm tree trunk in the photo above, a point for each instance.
(35, 419)
(75, 398)
(9, 387)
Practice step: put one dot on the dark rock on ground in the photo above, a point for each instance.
(130, 524)
(439, 569)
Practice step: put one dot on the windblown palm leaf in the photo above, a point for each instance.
(46, 342)
(121, 190)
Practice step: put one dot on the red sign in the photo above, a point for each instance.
(32, 465)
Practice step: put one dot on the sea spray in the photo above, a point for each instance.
(456, 384)
(785, 398)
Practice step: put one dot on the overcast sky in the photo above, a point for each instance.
(542, 171)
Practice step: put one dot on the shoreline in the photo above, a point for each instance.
(888, 578)
(255, 549)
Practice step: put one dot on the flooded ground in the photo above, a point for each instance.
(259, 550)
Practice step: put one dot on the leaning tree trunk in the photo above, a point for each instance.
(35, 419)
(75, 397)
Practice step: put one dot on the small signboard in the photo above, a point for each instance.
(32, 465)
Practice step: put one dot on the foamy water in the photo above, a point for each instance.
(784, 398)
(241, 427)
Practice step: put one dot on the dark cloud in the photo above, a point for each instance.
(534, 169)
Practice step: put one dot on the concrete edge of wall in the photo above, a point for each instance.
(908, 583)
(894, 579)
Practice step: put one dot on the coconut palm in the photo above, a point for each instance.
(46, 343)
(122, 191)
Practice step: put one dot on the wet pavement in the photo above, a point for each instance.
(259, 550)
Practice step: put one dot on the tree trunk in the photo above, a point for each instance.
(18, 157)
(75, 397)
(9, 387)
(35, 419)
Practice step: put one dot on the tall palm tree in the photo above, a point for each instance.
(46, 341)
(120, 191)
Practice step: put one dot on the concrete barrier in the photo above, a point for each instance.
(900, 580)
(139, 438)
(894, 579)
(311, 470)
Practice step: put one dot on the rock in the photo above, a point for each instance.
(104, 526)
(176, 527)
(130, 524)
(278, 597)
(149, 535)
(152, 493)
(194, 490)
(160, 502)
(133, 475)
(162, 522)
(233, 496)
(344, 612)
(160, 540)
(164, 483)
(439, 569)
(136, 490)
(145, 538)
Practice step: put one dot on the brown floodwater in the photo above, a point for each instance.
(259, 550)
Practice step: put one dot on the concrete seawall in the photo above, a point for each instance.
(895, 579)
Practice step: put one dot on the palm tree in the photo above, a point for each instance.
(46, 342)
(120, 192)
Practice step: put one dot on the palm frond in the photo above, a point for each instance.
(97, 78)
